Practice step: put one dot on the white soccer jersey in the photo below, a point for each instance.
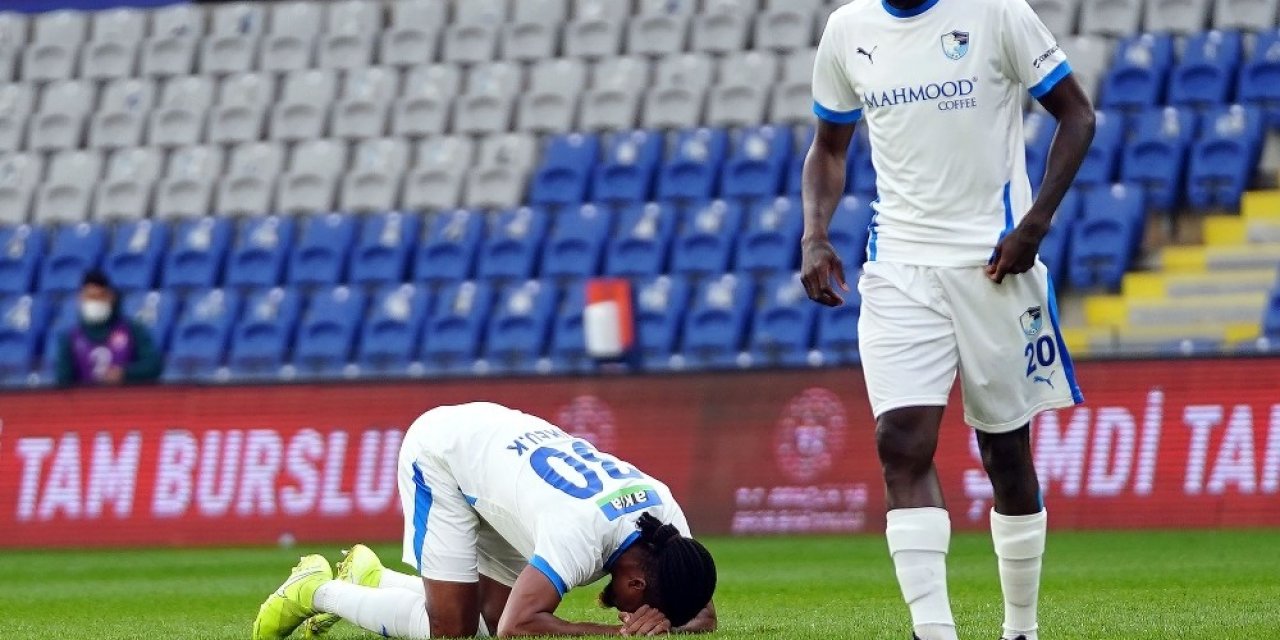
(940, 87)
(566, 507)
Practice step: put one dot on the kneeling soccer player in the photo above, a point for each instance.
(504, 513)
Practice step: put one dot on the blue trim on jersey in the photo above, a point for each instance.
(838, 117)
(908, 13)
(471, 500)
(1050, 81)
(1008, 222)
(539, 563)
(421, 509)
(871, 231)
(1068, 369)
(626, 544)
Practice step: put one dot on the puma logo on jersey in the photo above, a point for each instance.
(1047, 380)
(866, 53)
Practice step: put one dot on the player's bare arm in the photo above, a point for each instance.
(704, 622)
(531, 611)
(822, 186)
(1069, 105)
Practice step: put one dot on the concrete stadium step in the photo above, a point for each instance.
(1148, 285)
(1139, 340)
(1125, 313)
(1200, 259)
(1235, 230)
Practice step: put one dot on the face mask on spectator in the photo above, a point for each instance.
(95, 311)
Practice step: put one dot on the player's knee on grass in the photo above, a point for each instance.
(453, 608)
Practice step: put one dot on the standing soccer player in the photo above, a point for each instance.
(952, 281)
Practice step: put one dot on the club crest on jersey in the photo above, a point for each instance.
(1032, 321)
(955, 44)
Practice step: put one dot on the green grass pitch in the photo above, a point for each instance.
(1132, 585)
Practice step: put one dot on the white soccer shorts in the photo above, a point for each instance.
(920, 325)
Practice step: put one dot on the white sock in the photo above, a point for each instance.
(394, 613)
(918, 541)
(1019, 543)
(396, 580)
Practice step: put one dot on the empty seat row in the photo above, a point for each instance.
(1120, 18)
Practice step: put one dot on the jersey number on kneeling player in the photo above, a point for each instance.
(541, 459)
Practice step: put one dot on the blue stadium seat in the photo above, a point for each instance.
(707, 238)
(643, 240)
(449, 247)
(21, 250)
(392, 332)
(201, 335)
(659, 310)
(1054, 246)
(136, 249)
(795, 166)
(64, 315)
(715, 328)
(327, 332)
(1100, 160)
(1106, 237)
(860, 173)
(510, 252)
(627, 170)
(1224, 157)
(1207, 70)
(782, 332)
(519, 327)
(156, 310)
(1137, 76)
(693, 170)
(837, 339)
(568, 342)
(1271, 316)
(758, 164)
(1038, 129)
(849, 231)
(1156, 157)
(576, 243)
(194, 261)
(261, 339)
(76, 249)
(455, 329)
(23, 320)
(771, 242)
(261, 247)
(382, 253)
(565, 172)
(1260, 76)
(319, 257)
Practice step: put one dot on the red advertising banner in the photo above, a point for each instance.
(1191, 443)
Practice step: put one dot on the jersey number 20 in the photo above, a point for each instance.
(1043, 352)
(590, 485)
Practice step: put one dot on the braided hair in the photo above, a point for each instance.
(680, 571)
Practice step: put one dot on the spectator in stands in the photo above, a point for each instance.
(105, 348)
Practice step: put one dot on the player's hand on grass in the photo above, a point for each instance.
(818, 266)
(1016, 253)
(646, 621)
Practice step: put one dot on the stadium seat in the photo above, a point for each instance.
(68, 189)
(175, 35)
(348, 41)
(510, 249)
(568, 351)
(758, 163)
(533, 33)
(1223, 158)
(613, 101)
(1059, 16)
(783, 328)
(327, 332)
(21, 253)
(363, 110)
(64, 108)
(501, 171)
(319, 257)
(261, 339)
(261, 248)
(678, 94)
(1137, 77)
(187, 189)
(551, 103)
(23, 320)
(488, 106)
(715, 328)
(576, 243)
(63, 316)
(455, 329)
(241, 110)
(199, 248)
(849, 231)
(249, 184)
(1099, 167)
(391, 333)
(565, 172)
(381, 255)
(55, 45)
(626, 172)
(425, 105)
(792, 99)
(1248, 15)
(771, 241)
(75, 249)
(704, 244)
(473, 36)
(596, 30)
(860, 177)
(1271, 316)
(1038, 129)
(413, 35)
(1156, 157)
(449, 247)
(1056, 243)
(20, 175)
(1113, 18)
(1176, 16)
(201, 335)
(837, 340)
(18, 101)
(290, 41)
(656, 34)
(693, 169)
(722, 26)
(659, 314)
(1259, 83)
(642, 241)
(155, 310)
(121, 114)
(1105, 238)
(520, 326)
(374, 180)
(302, 111)
(234, 36)
(435, 182)
(785, 28)
(125, 190)
(741, 95)
(1207, 71)
(135, 252)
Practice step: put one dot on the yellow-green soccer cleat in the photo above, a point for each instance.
(360, 565)
(292, 603)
